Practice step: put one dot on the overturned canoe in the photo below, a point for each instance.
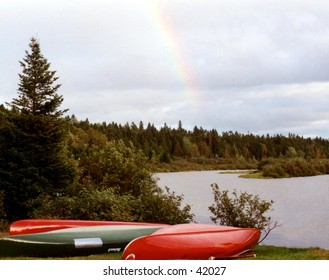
(42, 225)
(73, 241)
(193, 241)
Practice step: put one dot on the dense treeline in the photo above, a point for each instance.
(166, 143)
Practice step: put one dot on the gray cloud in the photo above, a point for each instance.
(258, 66)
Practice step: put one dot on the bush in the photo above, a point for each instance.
(242, 210)
(274, 170)
(2, 208)
(293, 167)
(163, 206)
(4, 224)
(115, 184)
(152, 206)
(87, 205)
(298, 167)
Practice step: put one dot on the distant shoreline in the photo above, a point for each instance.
(273, 168)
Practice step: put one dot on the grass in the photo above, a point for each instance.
(254, 175)
(242, 172)
(201, 164)
(284, 253)
(263, 252)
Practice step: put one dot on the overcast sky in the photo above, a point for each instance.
(247, 66)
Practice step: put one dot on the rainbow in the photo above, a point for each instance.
(175, 50)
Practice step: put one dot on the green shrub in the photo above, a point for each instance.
(152, 206)
(117, 166)
(2, 210)
(299, 167)
(115, 184)
(241, 210)
(293, 167)
(274, 170)
(163, 206)
(87, 205)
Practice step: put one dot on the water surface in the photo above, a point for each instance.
(301, 205)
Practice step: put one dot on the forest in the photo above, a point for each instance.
(177, 149)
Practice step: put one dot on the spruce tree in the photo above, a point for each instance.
(33, 153)
(37, 91)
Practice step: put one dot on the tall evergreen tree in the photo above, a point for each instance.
(37, 92)
(33, 151)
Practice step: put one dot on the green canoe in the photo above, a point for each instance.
(73, 241)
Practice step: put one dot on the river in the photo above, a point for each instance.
(301, 205)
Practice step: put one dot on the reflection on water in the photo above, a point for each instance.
(301, 205)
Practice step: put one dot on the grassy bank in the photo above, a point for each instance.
(262, 253)
(201, 164)
(290, 167)
(284, 253)
(265, 169)
(254, 175)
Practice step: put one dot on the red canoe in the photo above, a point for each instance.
(43, 225)
(193, 241)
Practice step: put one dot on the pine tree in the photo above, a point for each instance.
(33, 151)
(37, 92)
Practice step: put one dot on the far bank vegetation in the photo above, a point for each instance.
(174, 149)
